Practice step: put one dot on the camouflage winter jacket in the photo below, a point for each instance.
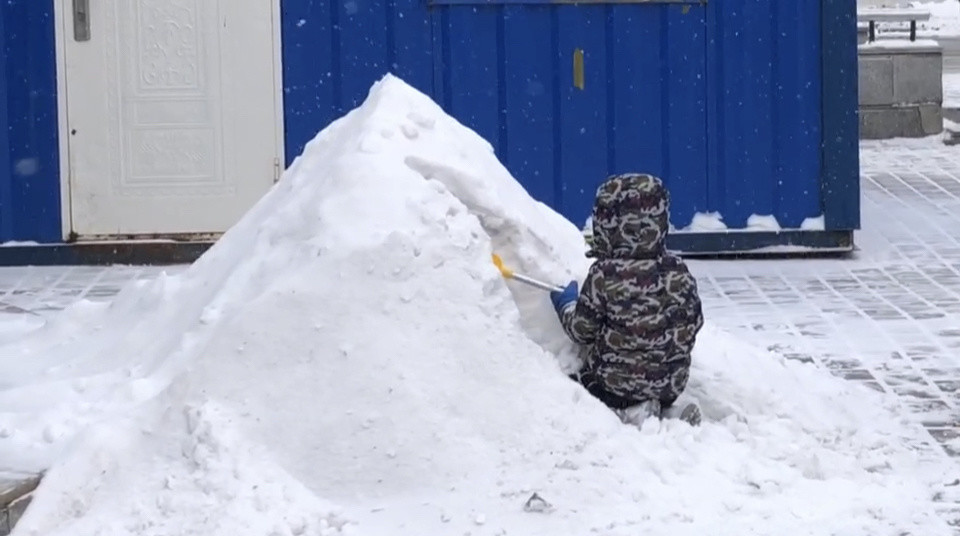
(638, 312)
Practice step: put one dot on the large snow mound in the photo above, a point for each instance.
(346, 359)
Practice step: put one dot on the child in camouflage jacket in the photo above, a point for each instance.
(639, 313)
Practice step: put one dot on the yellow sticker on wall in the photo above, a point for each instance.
(578, 76)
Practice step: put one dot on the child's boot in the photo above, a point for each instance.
(635, 415)
(686, 410)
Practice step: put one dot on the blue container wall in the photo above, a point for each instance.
(765, 121)
(722, 100)
(5, 168)
(507, 71)
(29, 160)
(840, 181)
(333, 51)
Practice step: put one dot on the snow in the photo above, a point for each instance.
(759, 222)
(817, 223)
(706, 222)
(15, 325)
(944, 18)
(892, 14)
(900, 44)
(346, 359)
(792, 249)
(712, 222)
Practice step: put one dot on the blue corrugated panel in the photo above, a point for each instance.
(6, 216)
(508, 73)
(30, 175)
(723, 100)
(530, 89)
(840, 184)
(765, 135)
(583, 116)
(334, 51)
(797, 110)
(684, 76)
(471, 84)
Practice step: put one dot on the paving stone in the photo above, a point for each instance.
(888, 317)
(857, 375)
(876, 386)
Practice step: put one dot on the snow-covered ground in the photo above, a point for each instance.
(347, 360)
(951, 90)
(944, 16)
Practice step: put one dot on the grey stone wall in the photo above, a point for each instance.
(901, 90)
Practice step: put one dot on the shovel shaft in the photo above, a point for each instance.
(510, 274)
(539, 284)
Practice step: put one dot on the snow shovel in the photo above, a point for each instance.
(510, 274)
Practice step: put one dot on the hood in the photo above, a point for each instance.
(630, 217)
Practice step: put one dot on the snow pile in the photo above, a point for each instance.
(814, 223)
(712, 222)
(347, 360)
(706, 222)
(758, 222)
(900, 44)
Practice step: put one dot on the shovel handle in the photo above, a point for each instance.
(510, 274)
(539, 284)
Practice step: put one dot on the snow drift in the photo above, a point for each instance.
(347, 360)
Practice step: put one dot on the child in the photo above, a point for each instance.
(639, 312)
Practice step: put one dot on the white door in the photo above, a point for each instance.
(173, 121)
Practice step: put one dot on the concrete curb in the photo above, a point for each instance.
(15, 496)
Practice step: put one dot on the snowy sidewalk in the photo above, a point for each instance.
(890, 317)
(28, 294)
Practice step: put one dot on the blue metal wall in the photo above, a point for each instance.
(764, 83)
(5, 168)
(507, 71)
(333, 51)
(723, 99)
(29, 159)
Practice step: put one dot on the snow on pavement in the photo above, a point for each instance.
(347, 360)
(951, 89)
(886, 318)
(944, 18)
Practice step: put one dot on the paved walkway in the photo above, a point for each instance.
(890, 316)
(29, 294)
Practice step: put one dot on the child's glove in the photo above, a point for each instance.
(562, 299)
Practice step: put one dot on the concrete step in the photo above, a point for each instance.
(16, 490)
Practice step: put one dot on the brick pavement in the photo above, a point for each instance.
(890, 315)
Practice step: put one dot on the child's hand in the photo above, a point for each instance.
(565, 298)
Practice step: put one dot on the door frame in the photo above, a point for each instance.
(62, 34)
